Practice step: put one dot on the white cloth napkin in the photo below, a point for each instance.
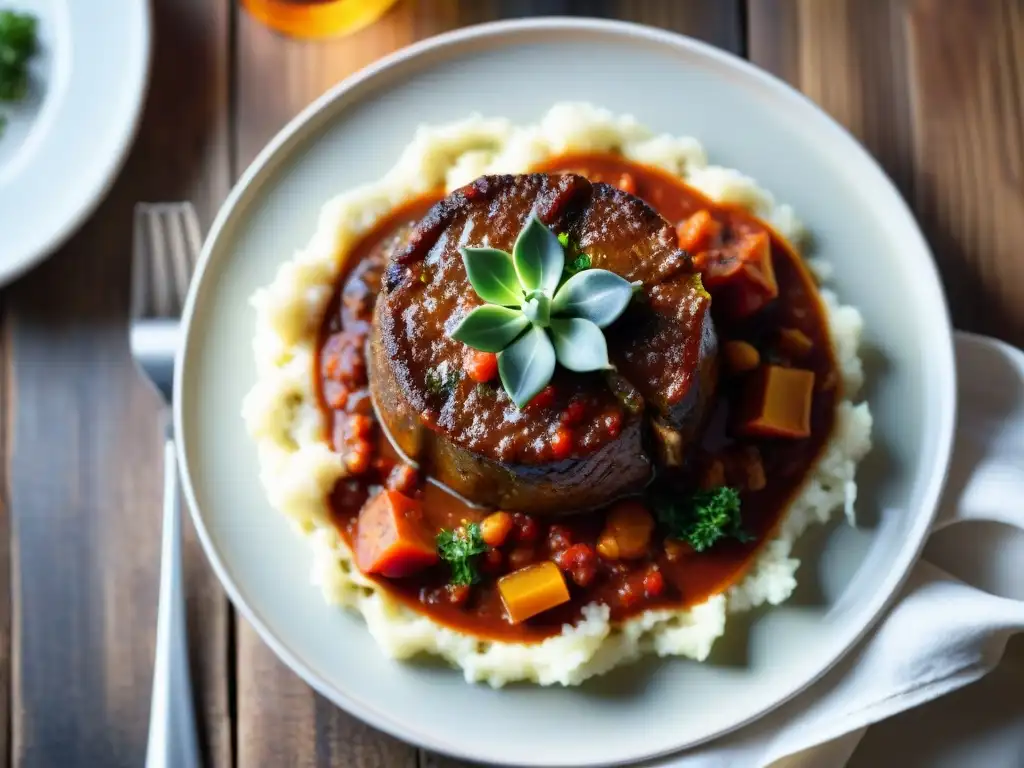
(942, 633)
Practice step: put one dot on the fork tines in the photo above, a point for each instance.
(165, 249)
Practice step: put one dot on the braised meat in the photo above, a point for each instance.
(586, 439)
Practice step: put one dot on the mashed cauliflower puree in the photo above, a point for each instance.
(299, 469)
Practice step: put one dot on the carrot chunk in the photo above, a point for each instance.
(696, 233)
(740, 275)
(391, 539)
(532, 590)
(627, 531)
(777, 403)
(481, 367)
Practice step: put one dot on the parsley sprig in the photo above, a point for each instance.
(459, 549)
(18, 45)
(703, 519)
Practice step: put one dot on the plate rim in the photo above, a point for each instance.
(136, 85)
(277, 149)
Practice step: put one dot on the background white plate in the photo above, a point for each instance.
(65, 143)
(746, 120)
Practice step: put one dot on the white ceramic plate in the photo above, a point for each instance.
(65, 143)
(746, 120)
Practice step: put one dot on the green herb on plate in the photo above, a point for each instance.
(459, 549)
(704, 519)
(441, 382)
(18, 44)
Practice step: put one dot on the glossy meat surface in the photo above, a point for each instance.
(471, 436)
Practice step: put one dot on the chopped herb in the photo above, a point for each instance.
(579, 263)
(482, 390)
(703, 519)
(18, 45)
(441, 383)
(575, 261)
(459, 549)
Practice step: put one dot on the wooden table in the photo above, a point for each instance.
(934, 88)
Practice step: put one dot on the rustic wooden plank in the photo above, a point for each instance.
(933, 89)
(967, 69)
(86, 474)
(848, 56)
(279, 76)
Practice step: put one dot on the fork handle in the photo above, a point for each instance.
(172, 725)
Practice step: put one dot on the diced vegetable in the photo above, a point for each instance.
(627, 530)
(561, 443)
(481, 367)
(654, 582)
(495, 528)
(697, 232)
(391, 539)
(741, 356)
(532, 590)
(740, 275)
(794, 342)
(579, 561)
(608, 548)
(525, 528)
(359, 457)
(457, 594)
(542, 399)
(777, 403)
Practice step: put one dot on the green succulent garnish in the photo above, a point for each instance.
(533, 318)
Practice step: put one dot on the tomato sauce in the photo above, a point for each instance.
(768, 471)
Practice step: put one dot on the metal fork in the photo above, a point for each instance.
(165, 249)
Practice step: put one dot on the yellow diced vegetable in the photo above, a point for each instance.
(778, 403)
(532, 590)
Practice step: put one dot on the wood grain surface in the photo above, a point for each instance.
(933, 88)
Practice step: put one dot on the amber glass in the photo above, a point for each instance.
(317, 18)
